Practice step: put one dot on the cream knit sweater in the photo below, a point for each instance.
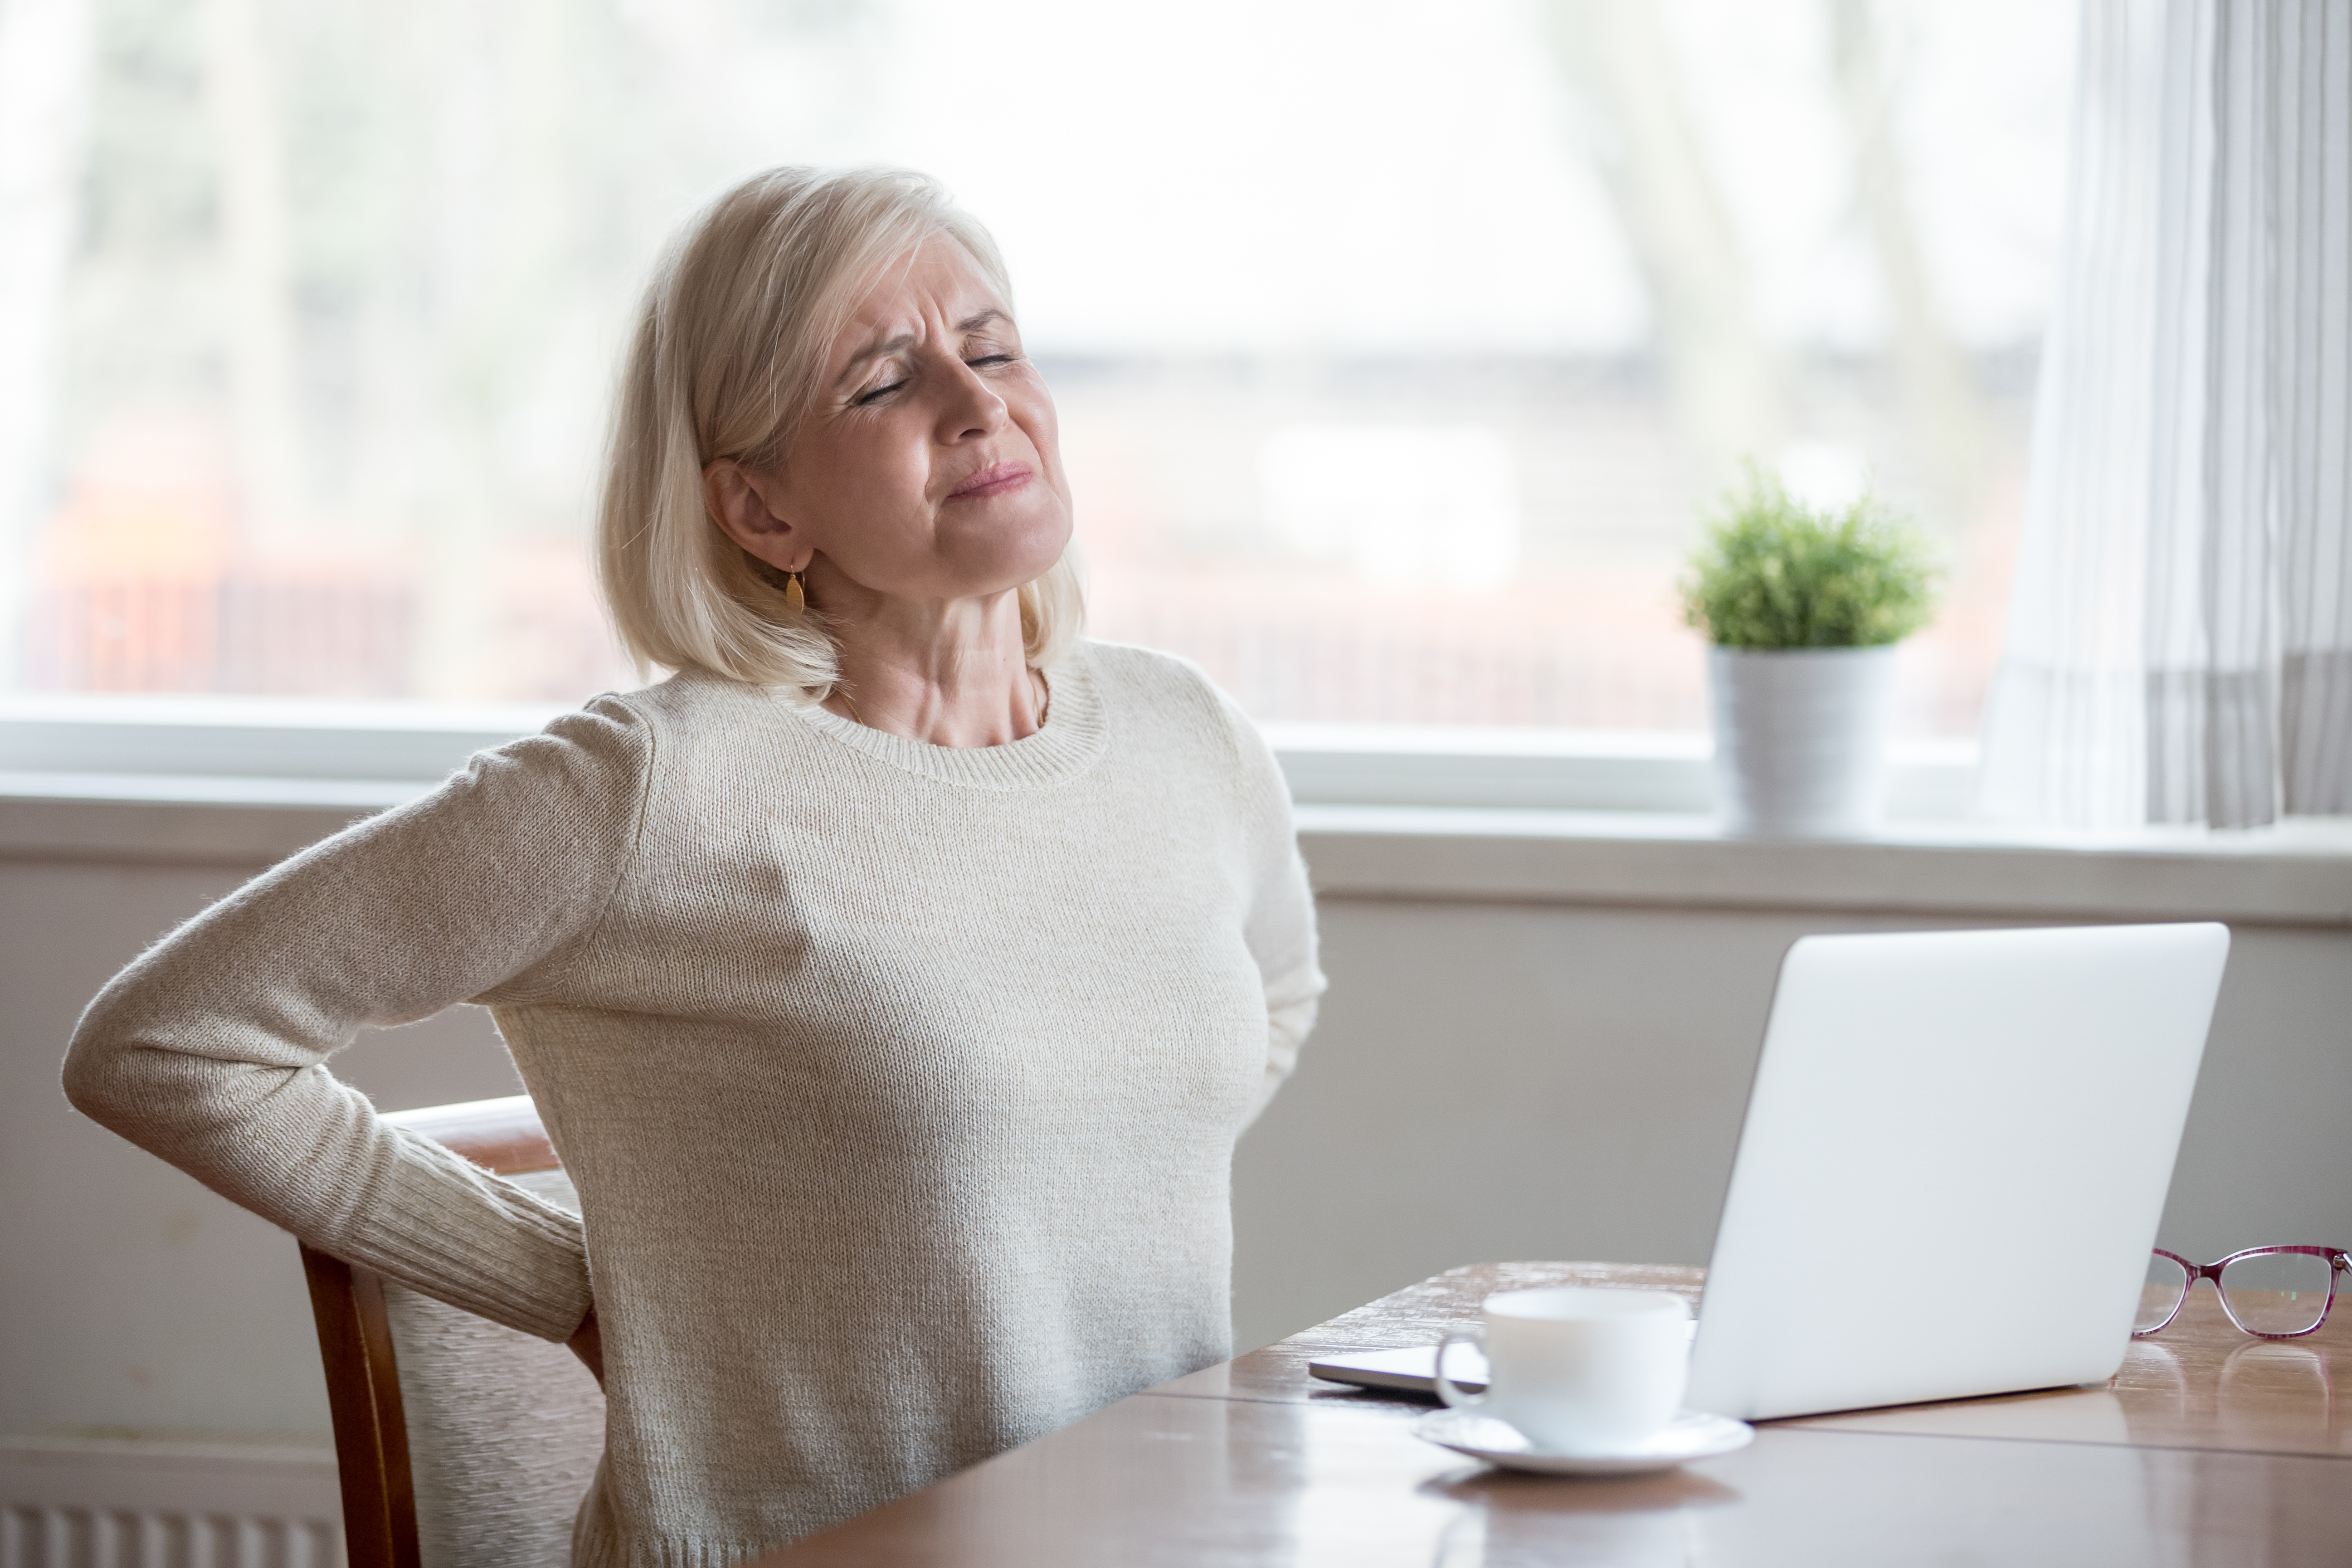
(899, 1083)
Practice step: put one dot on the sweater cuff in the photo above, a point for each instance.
(494, 1250)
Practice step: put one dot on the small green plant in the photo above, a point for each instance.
(1774, 573)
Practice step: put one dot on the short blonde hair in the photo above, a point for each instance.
(727, 359)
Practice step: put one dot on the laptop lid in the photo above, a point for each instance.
(1956, 1151)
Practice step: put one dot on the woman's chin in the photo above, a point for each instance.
(1003, 558)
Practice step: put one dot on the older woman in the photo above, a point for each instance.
(894, 978)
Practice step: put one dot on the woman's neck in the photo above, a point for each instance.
(946, 673)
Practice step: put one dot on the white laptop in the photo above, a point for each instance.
(1956, 1151)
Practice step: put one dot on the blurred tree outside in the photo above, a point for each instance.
(308, 316)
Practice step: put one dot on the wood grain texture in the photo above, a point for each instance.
(2209, 1448)
(355, 1346)
(364, 1400)
(1156, 1480)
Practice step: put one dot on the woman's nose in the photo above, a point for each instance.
(973, 408)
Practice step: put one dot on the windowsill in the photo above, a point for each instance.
(2298, 872)
(1396, 814)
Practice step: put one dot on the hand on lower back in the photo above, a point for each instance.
(589, 1346)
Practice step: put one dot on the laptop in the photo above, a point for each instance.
(1956, 1151)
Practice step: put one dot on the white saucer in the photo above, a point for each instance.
(1693, 1434)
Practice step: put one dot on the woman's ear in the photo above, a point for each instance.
(737, 500)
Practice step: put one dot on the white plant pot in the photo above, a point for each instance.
(1801, 739)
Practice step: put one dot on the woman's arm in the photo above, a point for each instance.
(1282, 938)
(1280, 930)
(210, 1050)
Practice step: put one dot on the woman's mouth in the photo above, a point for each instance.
(992, 481)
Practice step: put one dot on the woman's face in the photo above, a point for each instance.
(929, 467)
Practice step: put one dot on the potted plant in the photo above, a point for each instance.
(1802, 607)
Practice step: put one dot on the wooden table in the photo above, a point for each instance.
(2208, 1447)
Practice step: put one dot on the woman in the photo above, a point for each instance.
(893, 979)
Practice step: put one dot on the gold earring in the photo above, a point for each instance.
(795, 600)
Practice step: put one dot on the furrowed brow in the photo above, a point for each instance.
(874, 351)
(906, 340)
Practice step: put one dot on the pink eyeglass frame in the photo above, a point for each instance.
(2339, 1261)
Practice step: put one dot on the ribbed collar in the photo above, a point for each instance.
(1074, 735)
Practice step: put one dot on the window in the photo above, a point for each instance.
(1395, 344)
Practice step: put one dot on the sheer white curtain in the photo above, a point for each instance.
(2180, 641)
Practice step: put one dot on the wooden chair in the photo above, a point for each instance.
(461, 1443)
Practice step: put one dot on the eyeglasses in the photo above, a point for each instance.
(2272, 1292)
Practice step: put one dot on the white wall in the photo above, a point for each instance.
(134, 1302)
(1492, 1079)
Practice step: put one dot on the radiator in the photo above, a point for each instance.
(90, 1504)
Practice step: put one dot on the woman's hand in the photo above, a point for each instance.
(589, 1346)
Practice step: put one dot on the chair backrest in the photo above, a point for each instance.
(461, 1443)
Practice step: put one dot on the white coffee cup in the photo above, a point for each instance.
(1577, 1369)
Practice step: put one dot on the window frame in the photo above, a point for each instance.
(266, 749)
(1418, 816)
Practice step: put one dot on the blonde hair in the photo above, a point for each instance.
(727, 359)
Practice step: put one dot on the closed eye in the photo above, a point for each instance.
(877, 394)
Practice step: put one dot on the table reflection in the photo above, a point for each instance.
(1505, 1519)
(2268, 1385)
(2213, 1386)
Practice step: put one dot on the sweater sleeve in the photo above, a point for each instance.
(1280, 930)
(210, 1050)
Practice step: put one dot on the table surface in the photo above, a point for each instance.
(2208, 1446)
